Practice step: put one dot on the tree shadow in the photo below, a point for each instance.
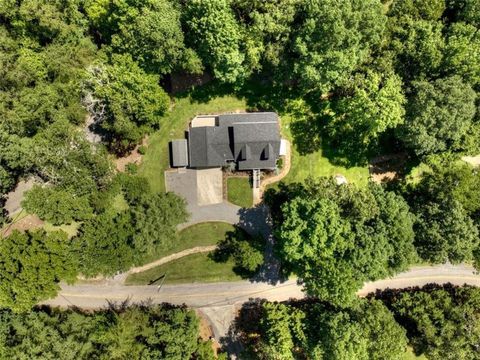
(265, 95)
(237, 342)
(259, 94)
(307, 135)
(230, 248)
(259, 221)
(226, 250)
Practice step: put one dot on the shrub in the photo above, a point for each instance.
(142, 149)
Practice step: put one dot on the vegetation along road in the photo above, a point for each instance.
(218, 295)
(204, 295)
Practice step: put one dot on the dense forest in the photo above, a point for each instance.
(439, 322)
(370, 77)
(134, 332)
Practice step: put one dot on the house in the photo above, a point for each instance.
(248, 141)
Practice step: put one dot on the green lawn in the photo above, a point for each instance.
(189, 269)
(197, 267)
(239, 191)
(119, 203)
(173, 126)
(315, 164)
(204, 234)
(175, 122)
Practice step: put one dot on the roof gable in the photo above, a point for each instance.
(251, 139)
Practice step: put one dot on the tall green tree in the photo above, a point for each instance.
(314, 330)
(444, 232)
(419, 47)
(105, 245)
(461, 52)
(268, 26)
(439, 116)
(129, 332)
(466, 10)
(216, 36)
(56, 205)
(334, 40)
(31, 266)
(417, 9)
(125, 101)
(108, 244)
(337, 237)
(445, 200)
(375, 105)
(150, 31)
(64, 158)
(155, 218)
(442, 323)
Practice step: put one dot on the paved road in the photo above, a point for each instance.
(219, 300)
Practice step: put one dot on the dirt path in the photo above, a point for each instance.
(287, 163)
(13, 204)
(27, 222)
(166, 259)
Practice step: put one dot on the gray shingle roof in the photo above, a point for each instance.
(179, 153)
(251, 139)
(209, 146)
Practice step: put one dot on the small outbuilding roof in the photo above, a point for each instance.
(179, 153)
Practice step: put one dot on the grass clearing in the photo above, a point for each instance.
(315, 164)
(70, 229)
(189, 269)
(173, 126)
(239, 191)
(119, 203)
(410, 355)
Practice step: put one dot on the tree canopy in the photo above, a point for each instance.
(445, 200)
(216, 36)
(127, 102)
(31, 266)
(439, 116)
(441, 322)
(108, 244)
(134, 332)
(315, 330)
(376, 104)
(334, 39)
(337, 237)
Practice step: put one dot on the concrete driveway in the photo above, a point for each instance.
(198, 187)
(255, 221)
(204, 194)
